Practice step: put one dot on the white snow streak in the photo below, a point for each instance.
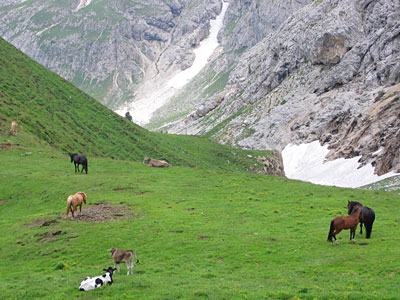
(203, 52)
(142, 109)
(306, 162)
(83, 4)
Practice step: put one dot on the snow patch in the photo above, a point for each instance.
(47, 28)
(203, 52)
(142, 109)
(307, 162)
(83, 4)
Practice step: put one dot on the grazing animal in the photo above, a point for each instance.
(79, 160)
(367, 216)
(73, 201)
(91, 283)
(14, 127)
(151, 162)
(126, 256)
(340, 223)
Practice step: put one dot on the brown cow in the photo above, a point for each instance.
(13, 129)
(151, 162)
(126, 256)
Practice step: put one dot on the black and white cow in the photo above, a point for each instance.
(91, 283)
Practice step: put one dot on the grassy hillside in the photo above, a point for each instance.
(199, 234)
(53, 111)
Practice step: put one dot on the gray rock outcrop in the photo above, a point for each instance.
(329, 73)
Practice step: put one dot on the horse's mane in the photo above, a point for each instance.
(355, 203)
(83, 194)
(355, 208)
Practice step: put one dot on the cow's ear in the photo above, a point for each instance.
(105, 270)
(114, 269)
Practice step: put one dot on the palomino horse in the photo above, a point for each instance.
(79, 160)
(13, 129)
(340, 223)
(367, 216)
(73, 201)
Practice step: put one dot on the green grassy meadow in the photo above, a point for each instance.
(204, 228)
(199, 234)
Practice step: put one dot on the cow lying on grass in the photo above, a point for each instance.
(151, 162)
(91, 283)
(126, 256)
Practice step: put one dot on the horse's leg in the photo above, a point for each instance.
(75, 209)
(337, 231)
(361, 225)
(80, 209)
(353, 232)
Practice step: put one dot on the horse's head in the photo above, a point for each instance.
(72, 156)
(351, 205)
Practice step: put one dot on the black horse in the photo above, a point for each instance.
(79, 160)
(367, 216)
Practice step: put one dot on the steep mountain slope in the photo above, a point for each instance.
(245, 24)
(330, 73)
(51, 111)
(107, 48)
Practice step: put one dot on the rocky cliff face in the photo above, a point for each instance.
(329, 73)
(107, 48)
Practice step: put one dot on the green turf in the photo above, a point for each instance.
(199, 234)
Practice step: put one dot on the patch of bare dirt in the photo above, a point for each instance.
(42, 222)
(119, 188)
(47, 236)
(100, 212)
(3, 202)
(10, 146)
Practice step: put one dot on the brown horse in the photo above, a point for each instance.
(340, 223)
(73, 201)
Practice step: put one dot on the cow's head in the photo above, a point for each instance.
(110, 270)
(112, 250)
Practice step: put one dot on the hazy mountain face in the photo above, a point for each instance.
(108, 47)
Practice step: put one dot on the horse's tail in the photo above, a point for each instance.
(85, 165)
(69, 201)
(331, 230)
(368, 223)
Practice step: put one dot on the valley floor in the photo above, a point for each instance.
(199, 234)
